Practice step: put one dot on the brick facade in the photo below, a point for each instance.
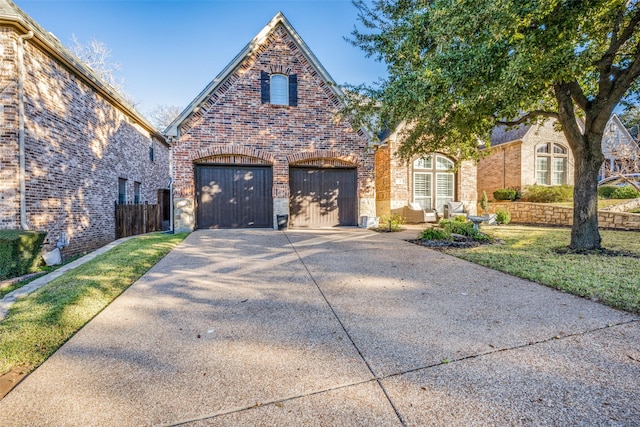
(512, 164)
(233, 123)
(78, 143)
(394, 179)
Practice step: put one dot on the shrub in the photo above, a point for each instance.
(459, 225)
(544, 194)
(505, 194)
(626, 192)
(605, 191)
(503, 216)
(19, 252)
(391, 222)
(484, 202)
(435, 233)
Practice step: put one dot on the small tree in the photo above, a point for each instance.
(484, 202)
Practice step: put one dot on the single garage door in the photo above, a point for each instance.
(237, 196)
(322, 197)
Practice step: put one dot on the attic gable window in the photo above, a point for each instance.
(279, 88)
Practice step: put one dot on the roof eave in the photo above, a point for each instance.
(60, 53)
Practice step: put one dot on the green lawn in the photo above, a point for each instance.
(40, 323)
(530, 253)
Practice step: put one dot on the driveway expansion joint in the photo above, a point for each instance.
(386, 394)
(507, 349)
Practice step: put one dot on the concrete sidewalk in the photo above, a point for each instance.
(349, 327)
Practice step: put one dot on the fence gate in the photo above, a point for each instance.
(132, 220)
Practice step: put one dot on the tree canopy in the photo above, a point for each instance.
(459, 68)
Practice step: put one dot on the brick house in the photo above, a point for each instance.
(523, 156)
(431, 180)
(262, 140)
(70, 146)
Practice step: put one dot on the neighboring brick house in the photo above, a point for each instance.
(70, 146)
(262, 140)
(431, 180)
(523, 156)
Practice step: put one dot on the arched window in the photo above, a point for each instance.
(279, 89)
(551, 164)
(433, 184)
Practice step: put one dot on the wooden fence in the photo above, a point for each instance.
(137, 219)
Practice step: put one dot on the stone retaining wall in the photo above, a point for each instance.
(545, 214)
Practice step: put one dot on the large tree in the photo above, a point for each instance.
(458, 68)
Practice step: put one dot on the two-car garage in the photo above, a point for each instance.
(241, 196)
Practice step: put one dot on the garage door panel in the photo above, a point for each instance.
(234, 197)
(322, 197)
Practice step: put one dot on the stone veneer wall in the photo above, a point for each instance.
(77, 145)
(545, 214)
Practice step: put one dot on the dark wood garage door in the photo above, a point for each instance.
(234, 196)
(322, 197)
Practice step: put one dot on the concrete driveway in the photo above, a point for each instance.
(349, 327)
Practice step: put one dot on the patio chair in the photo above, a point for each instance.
(414, 214)
(453, 209)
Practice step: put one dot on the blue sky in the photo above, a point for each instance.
(170, 50)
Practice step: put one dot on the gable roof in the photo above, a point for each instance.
(503, 134)
(622, 129)
(12, 15)
(279, 19)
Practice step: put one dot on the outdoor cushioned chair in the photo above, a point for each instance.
(453, 209)
(414, 214)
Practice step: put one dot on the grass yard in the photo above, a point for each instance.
(39, 324)
(530, 253)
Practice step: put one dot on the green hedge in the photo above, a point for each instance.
(19, 252)
(618, 192)
(548, 194)
(606, 191)
(505, 194)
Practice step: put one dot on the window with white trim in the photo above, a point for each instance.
(551, 164)
(279, 87)
(433, 182)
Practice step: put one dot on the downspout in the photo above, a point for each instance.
(21, 120)
(171, 226)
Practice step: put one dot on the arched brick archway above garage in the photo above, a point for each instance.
(320, 158)
(232, 152)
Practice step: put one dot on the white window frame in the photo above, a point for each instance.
(423, 199)
(432, 165)
(276, 95)
(551, 176)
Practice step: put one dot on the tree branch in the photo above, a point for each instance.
(530, 115)
(578, 95)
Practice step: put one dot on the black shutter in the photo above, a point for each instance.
(265, 92)
(293, 90)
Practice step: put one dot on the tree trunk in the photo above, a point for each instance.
(584, 233)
